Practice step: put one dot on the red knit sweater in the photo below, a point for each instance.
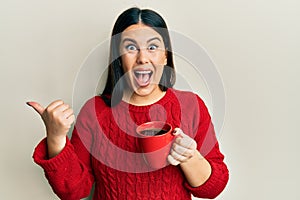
(104, 150)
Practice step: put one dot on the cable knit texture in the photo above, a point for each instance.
(104, 151)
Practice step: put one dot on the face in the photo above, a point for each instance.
(143, 57)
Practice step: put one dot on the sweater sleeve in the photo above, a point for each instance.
(208, 146)
(69, 173)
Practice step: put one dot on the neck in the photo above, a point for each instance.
(138, 100)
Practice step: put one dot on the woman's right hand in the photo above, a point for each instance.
(58, 118)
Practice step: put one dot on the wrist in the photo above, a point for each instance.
(197, 169)
(55, 145)
(56, 140)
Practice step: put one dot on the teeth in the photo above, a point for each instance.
(143, 72)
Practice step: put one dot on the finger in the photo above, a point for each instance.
(68, 113)
(68, 122)
(71, 119)
(177, 131)
(186, 142)
(172, 160)
(55, 104)
(36, 106)
(62, 107)
(182, 150)
(178, 156)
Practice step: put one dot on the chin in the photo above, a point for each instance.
(145, 91)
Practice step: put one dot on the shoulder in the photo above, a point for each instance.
(190, 102)
(93, 105)
(96, 100)
(181, 92)
(187, 97)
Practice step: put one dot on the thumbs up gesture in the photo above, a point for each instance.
(58, 118)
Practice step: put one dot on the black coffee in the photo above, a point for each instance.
(153, 132)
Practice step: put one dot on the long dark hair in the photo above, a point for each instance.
(131, 16)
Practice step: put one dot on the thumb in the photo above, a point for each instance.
(177, 132)
(36, 106)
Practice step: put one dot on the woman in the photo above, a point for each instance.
(138, 89)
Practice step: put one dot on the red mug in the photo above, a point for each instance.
(155, 139)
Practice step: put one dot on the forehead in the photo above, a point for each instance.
(140, 32)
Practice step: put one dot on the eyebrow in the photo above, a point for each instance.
(155, 38)
(132, 40)
(128, 39)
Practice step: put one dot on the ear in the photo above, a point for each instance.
(166, 57)
(166, 61)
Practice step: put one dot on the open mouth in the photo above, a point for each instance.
(143, 77)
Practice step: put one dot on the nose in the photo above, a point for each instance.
(142, 57)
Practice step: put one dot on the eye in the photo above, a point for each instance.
(131, 47)
(152, 47)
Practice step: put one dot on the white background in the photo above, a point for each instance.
(254, 44)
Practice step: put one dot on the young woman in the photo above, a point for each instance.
(103, 149)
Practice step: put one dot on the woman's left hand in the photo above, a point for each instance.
(183, 148)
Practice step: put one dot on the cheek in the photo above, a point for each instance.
(159, 71)
(160, 58)
(126, 63)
